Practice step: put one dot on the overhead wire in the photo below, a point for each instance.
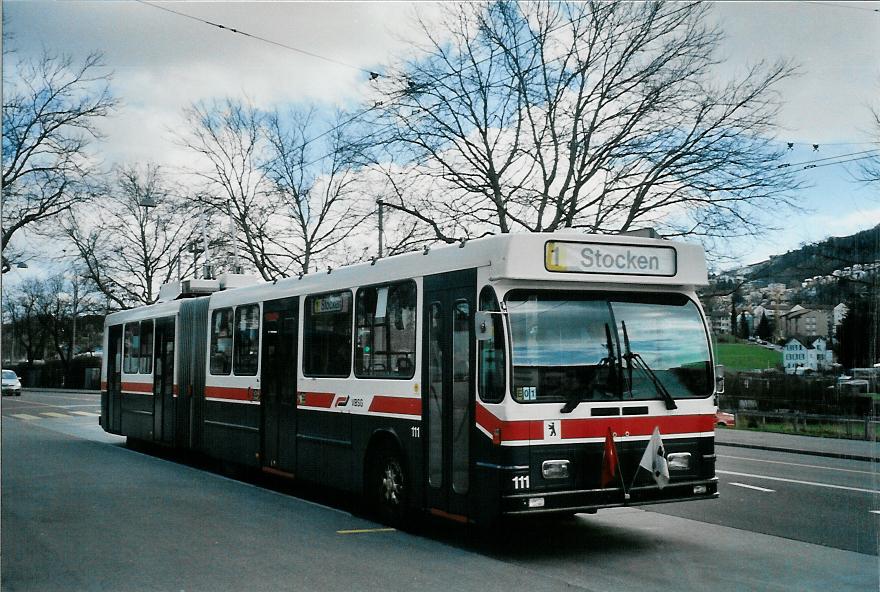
(815, 166)
(373, 75)
(848, 6)
(815, 160)
(832, 143)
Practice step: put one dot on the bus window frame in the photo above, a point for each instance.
(503, 338)
(235, 341)
(306, 332)
(213, 312)
(415, 342)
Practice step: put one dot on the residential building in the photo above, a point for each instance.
(802, 353)
(809, 322)
(719, 323)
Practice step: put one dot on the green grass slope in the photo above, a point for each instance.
(745, 356)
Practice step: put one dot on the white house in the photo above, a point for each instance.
(801, 354)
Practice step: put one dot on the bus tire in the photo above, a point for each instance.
(388, 487)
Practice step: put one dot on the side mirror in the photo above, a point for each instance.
(719, 378)
(484, 327)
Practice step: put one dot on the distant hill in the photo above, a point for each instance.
(820, 258)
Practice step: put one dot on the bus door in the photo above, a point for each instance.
(448, 387)
(163, 382)
(278, 384)
(112, 412)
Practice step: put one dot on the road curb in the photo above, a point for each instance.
(59, 391)
(840, 455)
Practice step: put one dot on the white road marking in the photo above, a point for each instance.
(874, 511)
(755, 487)
(23, 416)
(86, 413)
(829, 486)
(779, 462)
(53, 414)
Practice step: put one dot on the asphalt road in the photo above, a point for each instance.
(82, 512)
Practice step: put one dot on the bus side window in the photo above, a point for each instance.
(221, 341)
(491, 352)
(386, 331)
(327, 335)
(132, 348)
(247, 340)
(146, 354)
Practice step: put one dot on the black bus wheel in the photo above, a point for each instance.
(389, 487)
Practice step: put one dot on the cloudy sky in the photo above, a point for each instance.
(162, 62)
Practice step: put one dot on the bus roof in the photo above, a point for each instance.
(563, 257)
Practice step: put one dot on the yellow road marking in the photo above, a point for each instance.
(53, 414)
(23, 416)
(365, 530)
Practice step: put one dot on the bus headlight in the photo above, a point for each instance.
(679, 461)
(555, 469)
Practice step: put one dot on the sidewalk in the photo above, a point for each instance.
(813, 445)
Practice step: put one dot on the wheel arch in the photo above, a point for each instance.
(381, 439)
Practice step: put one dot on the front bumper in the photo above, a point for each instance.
(11, 390)
(592, 499)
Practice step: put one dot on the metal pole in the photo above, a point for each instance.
(235, 268)
(204, 243)
(380, 203)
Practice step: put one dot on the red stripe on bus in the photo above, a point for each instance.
(524, 430)
(316, 399)
(138, 387)
(637, 426)
(510, 430)
(399, 405)
(228, 392)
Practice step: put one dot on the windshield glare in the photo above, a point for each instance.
(9, 375)
(571, 346)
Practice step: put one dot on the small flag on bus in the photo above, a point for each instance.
(609, 460)
(654, 459)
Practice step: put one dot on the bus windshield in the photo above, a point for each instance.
(577, 346)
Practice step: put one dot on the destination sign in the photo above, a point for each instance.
(331, 303)
(571, 257)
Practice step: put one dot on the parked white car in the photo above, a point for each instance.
(11, 385)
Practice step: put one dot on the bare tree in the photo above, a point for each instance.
(63, 299)
(869, 170)
(21, 309)
(230, 138)
(135, 241)
(51, 111)
(317, 193)
(291, 201)
(600, 116)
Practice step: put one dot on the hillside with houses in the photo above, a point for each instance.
(797, 303)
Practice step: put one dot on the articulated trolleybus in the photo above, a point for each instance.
(515, 374)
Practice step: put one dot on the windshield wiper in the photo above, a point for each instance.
(631, 357)
(573, 399)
